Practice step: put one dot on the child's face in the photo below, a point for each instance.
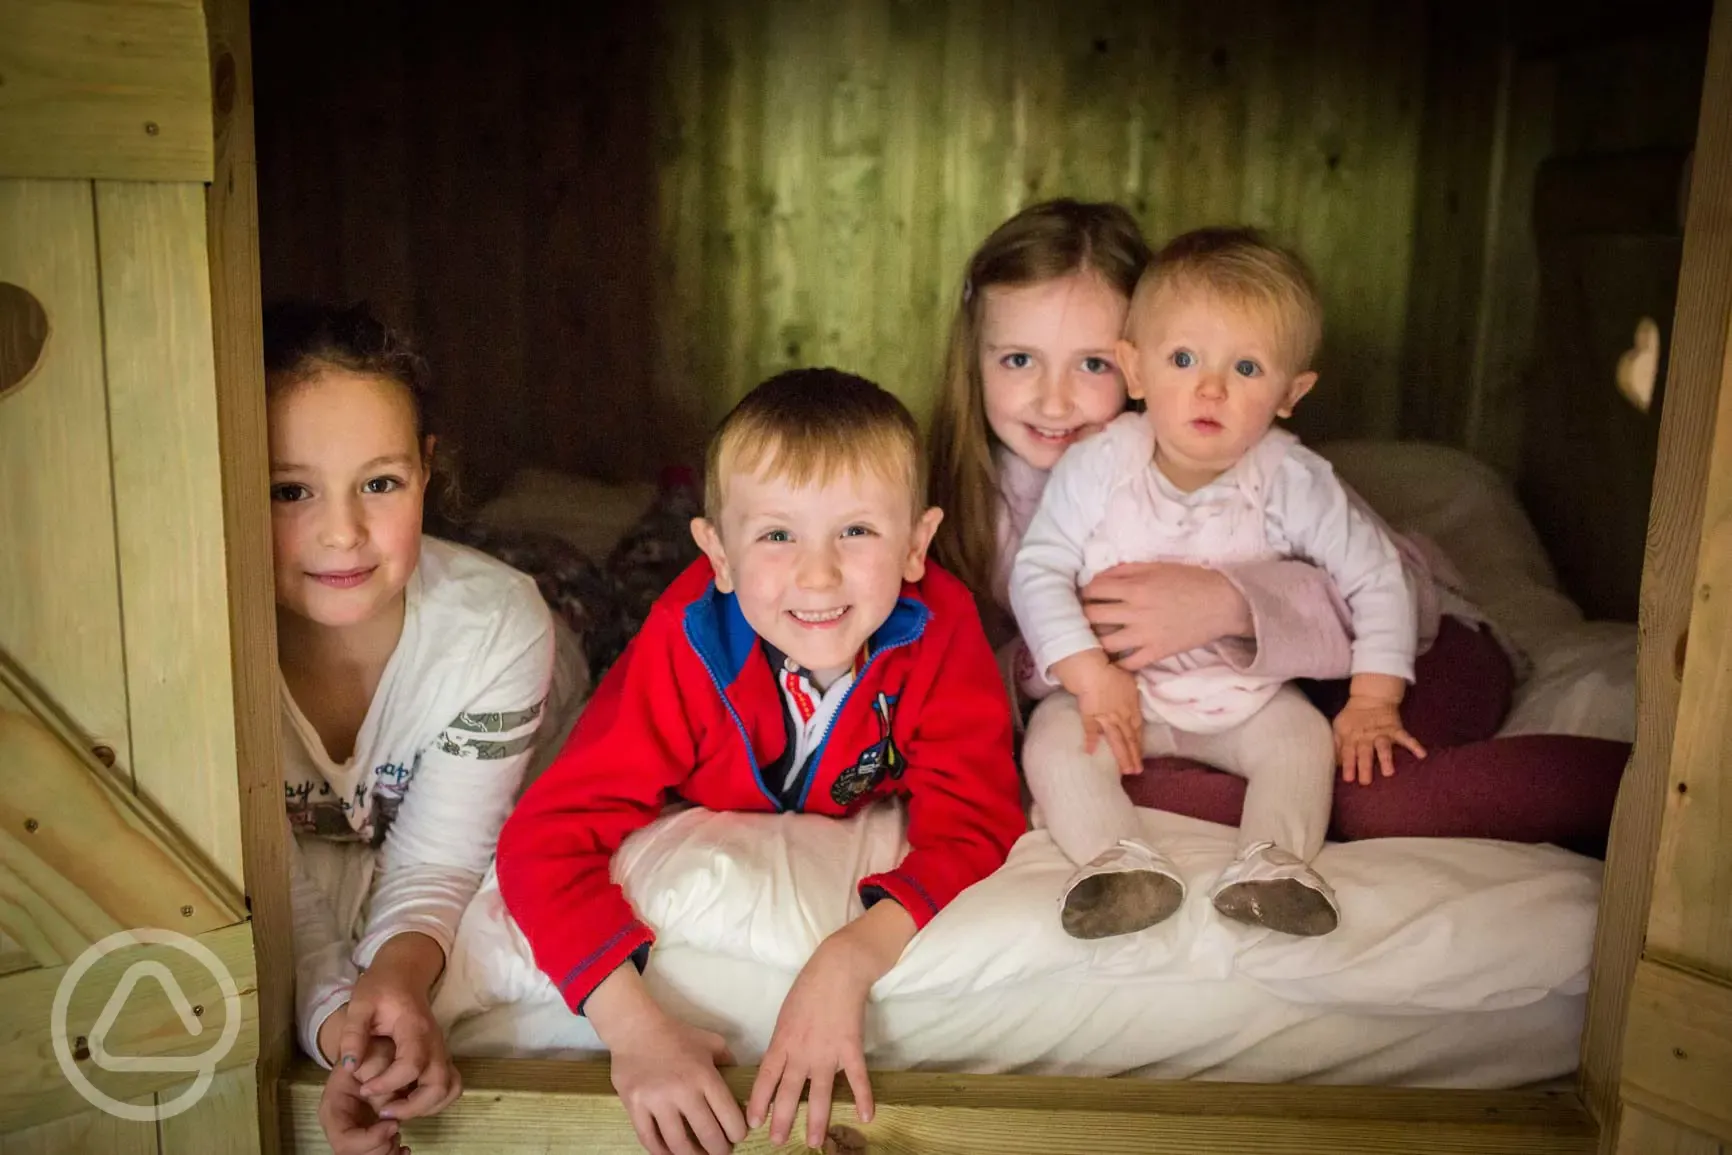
(817, 569)
(347, 482)
(1049, 365)
(1214, 377)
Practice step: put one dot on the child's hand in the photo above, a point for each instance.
(665, 1073)
(390, 1001)
(1367, 731)
(1110, 705)
(350, 1120)
(818, 1033)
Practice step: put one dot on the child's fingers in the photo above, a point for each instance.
(818, 1106)
(704, 1124)
(787, 1103)
(1409, 741)
(858, 1081)
(1385, 755)
(672, 1127)
(764, 1085)
(1362, 758)
(357, 1028)
(726, 1111)
(643, 1121)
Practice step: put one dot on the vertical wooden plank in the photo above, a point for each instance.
(223, 1122)
(232, 222)
(1691, 913)
(92, 1132)
(168, 515)
(1693, 386)
(60, 619)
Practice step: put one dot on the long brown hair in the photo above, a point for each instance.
(1042, 242)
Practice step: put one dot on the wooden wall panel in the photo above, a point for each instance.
(174, 591)
(60, 618)
(606, 231)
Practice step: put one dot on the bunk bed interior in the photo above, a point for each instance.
(603, 232)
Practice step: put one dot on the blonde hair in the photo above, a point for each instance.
(808, 426)
(1043, 242)
(1243, 267)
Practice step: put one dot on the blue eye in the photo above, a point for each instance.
(376, 485)
(1016, 360)
(1183, 359)
(1248, 368)
(857, 531)
(776, 536)
(290, 492)
(1097, 365)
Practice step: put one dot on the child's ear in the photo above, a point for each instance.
(1296, 389)
(1126, 352)
(924, 527)
(709, 540)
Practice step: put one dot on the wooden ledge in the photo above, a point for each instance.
(520, 1106)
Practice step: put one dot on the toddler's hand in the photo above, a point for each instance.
(1366, 734)
(665, 1073)
(818, 1034)
(415, 1076)
(1112, 708)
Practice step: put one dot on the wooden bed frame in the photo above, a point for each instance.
(1657, 1049)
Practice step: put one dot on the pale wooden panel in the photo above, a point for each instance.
(33, 1088)
(224, 1122)
(1678, 1048)
(232, 220)
(1674, 531)
(534, 1106)
(89, 1133)
(1640, 1133)
(114, 89)
(80, 858)
(61, 617)
(1692, 904)
(168, 510)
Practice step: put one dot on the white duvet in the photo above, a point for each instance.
(1457, 963)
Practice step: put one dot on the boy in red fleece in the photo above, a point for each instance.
(812, 661)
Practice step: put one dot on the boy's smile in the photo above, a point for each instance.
(817, 568)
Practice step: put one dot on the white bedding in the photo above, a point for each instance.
(1458, 962)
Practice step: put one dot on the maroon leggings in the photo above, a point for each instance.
(1536, 788)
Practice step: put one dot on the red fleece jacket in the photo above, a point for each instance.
(691, 710)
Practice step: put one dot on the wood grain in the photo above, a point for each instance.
(61, 617)
(526, 1106)
(1678, 1048)
(1643, 1134)
(110, 89)
(231, 213)
(1693, 380)
(167, 511)
(33, 1088)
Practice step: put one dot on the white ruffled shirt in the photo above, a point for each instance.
(1106, 503)
(398, 836)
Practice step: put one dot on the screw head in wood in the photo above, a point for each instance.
(186, 911)
(150, 128)
(31, 825)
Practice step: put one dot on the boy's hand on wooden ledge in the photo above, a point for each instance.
(819, 1031)
(665, 1071)
(1368, 728)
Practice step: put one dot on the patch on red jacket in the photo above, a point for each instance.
(880, 760)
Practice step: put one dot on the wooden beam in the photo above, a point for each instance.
(113, 89)
(237, 334)
(81, 858)
(33, 1087)
(535, 1106)
(163, 432)
(1689, 403)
